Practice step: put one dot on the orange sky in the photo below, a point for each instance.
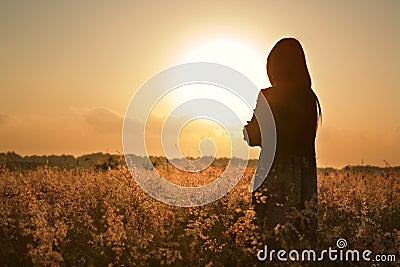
(69, 69)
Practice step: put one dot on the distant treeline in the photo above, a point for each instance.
(104, 161)
(13, 161)
(100, 161)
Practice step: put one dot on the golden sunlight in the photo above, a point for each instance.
(234, 53)
(193, 92)
(199, 133)
(240, 55)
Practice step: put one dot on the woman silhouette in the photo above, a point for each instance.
(292, 179)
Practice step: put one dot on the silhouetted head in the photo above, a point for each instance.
(286, 64)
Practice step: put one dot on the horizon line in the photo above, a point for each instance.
(387, 165)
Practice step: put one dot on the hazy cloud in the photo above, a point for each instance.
(3, 118)
(103, 120)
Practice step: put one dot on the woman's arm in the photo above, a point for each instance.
(251, 131)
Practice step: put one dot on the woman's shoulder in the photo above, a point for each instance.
(268, 92)
(272, 93)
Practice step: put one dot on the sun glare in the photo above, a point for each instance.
(235, 53)
(193, 92)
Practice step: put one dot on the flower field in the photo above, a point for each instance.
(82, 217)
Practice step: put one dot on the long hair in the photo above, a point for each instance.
(286, 65)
